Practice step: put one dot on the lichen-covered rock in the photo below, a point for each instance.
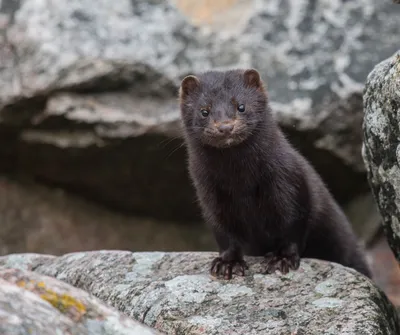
(35, 304)
(90, 102)
(174, 293)
(381, 148)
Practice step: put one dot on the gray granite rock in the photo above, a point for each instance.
(174, 293)
(381, 146)
(31, 303)
(83, 85)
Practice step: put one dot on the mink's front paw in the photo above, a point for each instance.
(220, 267)
(282, 262)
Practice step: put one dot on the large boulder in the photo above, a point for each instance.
(381, 145)
(174, 293)
(88, 89)
(35, 304)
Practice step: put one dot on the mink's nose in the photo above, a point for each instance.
(225, 128)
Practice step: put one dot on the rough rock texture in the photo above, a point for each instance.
(34, 218)
(174, 293)
(381, 146)
(31, 303)
(98, 84)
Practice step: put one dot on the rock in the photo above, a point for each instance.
(89, 104)
(381, 150)
(228, 17)
(34, 218)
(46, 306)
(385, 269)
(174, 293)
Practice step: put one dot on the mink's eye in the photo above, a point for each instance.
(204, 112)
(241, 108)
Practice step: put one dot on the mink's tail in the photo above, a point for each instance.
(358, 261)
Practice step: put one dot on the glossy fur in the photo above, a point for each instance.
(260, 196)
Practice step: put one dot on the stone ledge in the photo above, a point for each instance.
(174, 293)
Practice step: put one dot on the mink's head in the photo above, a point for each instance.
(223, 109)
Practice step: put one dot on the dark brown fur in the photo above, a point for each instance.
(260, 196)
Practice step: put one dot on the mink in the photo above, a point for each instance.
(259, 195)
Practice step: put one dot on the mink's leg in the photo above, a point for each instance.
(290, 245)
(230, 258)
(284, 259)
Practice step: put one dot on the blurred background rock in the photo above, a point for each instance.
(91, 153)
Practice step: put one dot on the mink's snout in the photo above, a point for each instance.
(225, 128)
(224, 134)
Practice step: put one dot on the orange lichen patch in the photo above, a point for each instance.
(21, 283)
(27, 284)
(65, 303)
(204, 11)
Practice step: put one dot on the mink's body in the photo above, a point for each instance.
(260, 196)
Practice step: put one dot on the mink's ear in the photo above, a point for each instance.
(252, 79)
(188, 86)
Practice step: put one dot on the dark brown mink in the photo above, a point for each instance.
(260, 196)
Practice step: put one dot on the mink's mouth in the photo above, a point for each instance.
(223, 141)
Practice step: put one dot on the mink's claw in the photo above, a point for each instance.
(220, 267)
(283, 263)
